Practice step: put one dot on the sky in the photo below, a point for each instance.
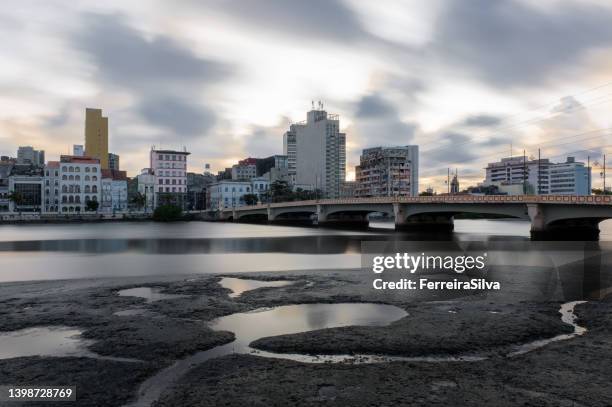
(469, 81)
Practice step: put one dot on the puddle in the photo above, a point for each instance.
(240, 285)
(58, 341)
(249, 326)
(253, 325)
(567, 316)
(151, 294)
(130, 312)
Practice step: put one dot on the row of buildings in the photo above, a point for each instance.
(90, 179)
(522, 176)
(313, 160)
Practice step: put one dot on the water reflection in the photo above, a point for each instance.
(250, 326)
(151, 294)
(241, 285)
(59, 341)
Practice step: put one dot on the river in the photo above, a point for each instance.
(92, 250)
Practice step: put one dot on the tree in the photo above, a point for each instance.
(250, 199)
(92, 206)
(139, 200)
(167, 213)
(17, 199)
(280, 191)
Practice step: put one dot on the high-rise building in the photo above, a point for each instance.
(388, 171)
(96, 136)
(170, 170)
(27, 155)
(320, 152)
(290, 150)
(113, 161)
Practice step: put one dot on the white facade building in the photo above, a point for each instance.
(518, 176)
(569, 178)
(320, 152)
(52, 195)
(227, 194)
(260, 186)
(170, 170)
(114, 196)
(146, 187)
(80, 182)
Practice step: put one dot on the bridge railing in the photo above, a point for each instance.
(500, 199)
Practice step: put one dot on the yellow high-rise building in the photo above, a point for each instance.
(96, 136)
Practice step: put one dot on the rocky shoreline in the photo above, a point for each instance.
(164, 331)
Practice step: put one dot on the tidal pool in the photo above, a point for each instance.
(241, 285)
(56, 341)
(151, 294)
(288, 319)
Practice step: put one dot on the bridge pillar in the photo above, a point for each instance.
(321, 215)
(434, 222)
(345, 220)
(564, 229)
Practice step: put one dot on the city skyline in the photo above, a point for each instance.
(228, 88)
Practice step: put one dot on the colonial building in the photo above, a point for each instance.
(114, 197)
(80, 182)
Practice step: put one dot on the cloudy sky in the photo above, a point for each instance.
(464, 79)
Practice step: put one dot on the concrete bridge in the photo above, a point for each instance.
(551, 216)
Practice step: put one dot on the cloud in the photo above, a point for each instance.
(378, 122)
(509, 43)
(329, 20)
(264, 141)
(124, 57)
(373, 106)
(482, 120)
(166, 80)
(178, 115)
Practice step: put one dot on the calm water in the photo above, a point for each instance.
(288, 319)
(37, 252)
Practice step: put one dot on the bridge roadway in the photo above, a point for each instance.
(551, 216)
